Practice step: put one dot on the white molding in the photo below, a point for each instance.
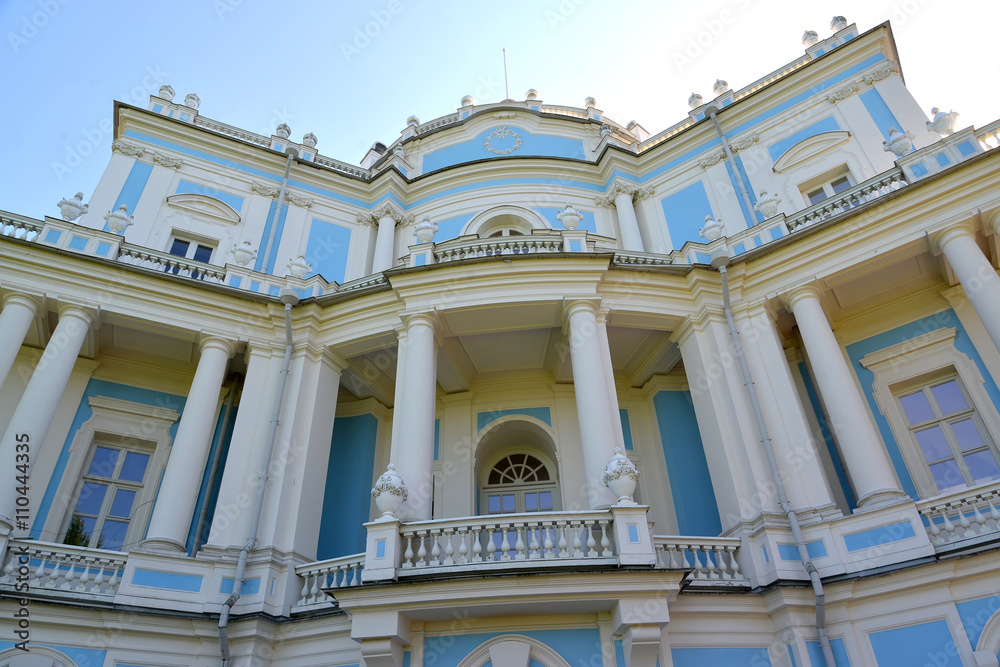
(809, 148)
(203, 206)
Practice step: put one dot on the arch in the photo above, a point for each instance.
(498, 438)
(40, 656)
(513, 645)
(517, 444)
(204, 206)
(989, 640)
(507, 215)
(809, 148)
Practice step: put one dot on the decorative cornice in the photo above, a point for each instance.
(166, 161)
(125, 148)
(386, 209)
(881, 71)
(273, 192)
(736, 146)
(619, 187)
(266, 190)
(843, 92)
(299, 200)
(743, 143)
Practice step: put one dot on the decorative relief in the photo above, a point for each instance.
(266, 190)
(743, 143)
(166, 161)
(126, 148)
(386, 209)
(500, 134)
(619, 187)
(298, 200)
(737, 146)
(843, 92)
(882, 71)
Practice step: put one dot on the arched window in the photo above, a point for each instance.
(519, 482)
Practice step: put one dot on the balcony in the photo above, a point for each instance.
(964, 519)
(62, 571)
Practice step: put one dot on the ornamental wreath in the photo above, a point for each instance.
(503, 133)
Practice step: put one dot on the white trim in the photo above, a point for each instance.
(204, 206)
(809, 148)
(480, 222)
(537, 650)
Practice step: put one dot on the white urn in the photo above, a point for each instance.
(569, 217)
(118, 221)
(620, 476)
(310, 140)
(712, 230)
(767, 204)
(244, 254)
(720, 87)
(299, 267)
(900, 143)
(73, 207)
(167, 92)
(942, 123)
(425, 230)
(838, 23)
(695, 100)
(810, 37)
(283, 131)
(192, 101)
(389, 492)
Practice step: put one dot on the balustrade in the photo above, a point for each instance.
(708, 559)
(63, 569)
(342, 572)
(508, 245)
(969, 516)
(862, 193)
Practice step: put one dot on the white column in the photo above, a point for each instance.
(171, 521)
(866, 460)
(627, 222)
(609, 374)
(597, 434)
(976, 274)
(384, 244)
(413, 413)
(38, 404)
(19, 311)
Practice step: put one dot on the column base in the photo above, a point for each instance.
(162, 545)
(880, 498)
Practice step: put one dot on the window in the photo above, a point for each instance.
(191, 250)
(505, 231)
(828, 189)
(519, 483)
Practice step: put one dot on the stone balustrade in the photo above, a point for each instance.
(962, 519)
(862, 193)
(161, 261)
(19, 227)
(62, 570)
(468, 248)
(711, 560)
(341, 572)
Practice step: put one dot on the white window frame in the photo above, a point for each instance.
(193, 242)
(825, 182)
(913, 363)
(552, 484)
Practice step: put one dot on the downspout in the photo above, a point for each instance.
(290, 298)
(765, 439)
(292, 154)
(712, 111)
(216, 459)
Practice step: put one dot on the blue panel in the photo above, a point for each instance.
(739, 249)
(839, 653)
(81, 656)
(254, 286)
(942, 159)
(277, 239)
(380, 548)
(420, 260)
(690, 483)
(186, 187)
(748, 215)
(767, 557)
(52, 236)
(626, 428)
(349, 475)
(633, 533)
(575, 246)
(757, 241)
(975, 614)
(577, 646)
(778, 148)
(966, 149)
(185, 117)
(927, 643)
(702, 258)
(721, 657)
(135, 183)
(919, 170)
(685, 211)
(791, 655)
(867, 539)
(249, 587)
(217, 436)
(776, 233)
(327, 249)
(757, 216)
(879, 111)
(831, 446)
(78, 243)
(235, 281)
(157, 108)
(103, 249)
(541, 414)
(620, 654)
(452, 227)
(190, 583)
(855, 351)
(790, 552)
(530, 144)
(589, 222)
(273, 290)
(406, 658)
(83, 413)
(437, 438)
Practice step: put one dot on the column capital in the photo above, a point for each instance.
(621, 187)
(809, 290)
(427, 318)
(991, 223)
(386, 210)
(86, 315)
(217, 343)
(940, 238)
(29, 301)
(573, 306)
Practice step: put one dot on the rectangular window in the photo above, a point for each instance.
(828, 185)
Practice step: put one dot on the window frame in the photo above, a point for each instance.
(194, 242)
(519, 489)
(825, 182)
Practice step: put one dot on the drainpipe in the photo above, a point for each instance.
(292, 154)
(216, 459)
(720, 262)
(712, 111)
(290, 298)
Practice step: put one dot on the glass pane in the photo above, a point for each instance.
(545, 501)
(983, 466)
(933, 444)
(91, 498)
(948, 476)
(949, 397)
(179, 248)
(816, 196)
(121, 506)
(103, 463)
(840, 184)
(917, 407)
(967, 434)
(494, 477)
(531, 502)
(113, 535)
(508, 503)
(202, 253)
(494, 502)
(134, 467)
(88, 530)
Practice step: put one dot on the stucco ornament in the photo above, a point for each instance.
(810, 37)
(531, 95)
(73, 208)
(192, 101)
(244, 254)
(900, 143)
(502, 135)
(390, 492)
(309, 140)
(942, 123)
(838, 23)
(167, 92)
(767, 204)
(621, 477)
(120, 220)
(719, 87)
(569, 217)
(299, 267)
(712, 230)
(283, 131)
(425, 230)
(468, 101)
(695, 100)
(605, 130)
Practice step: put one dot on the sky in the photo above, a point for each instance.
(352, 72)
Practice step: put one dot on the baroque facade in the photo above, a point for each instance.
(526, 387)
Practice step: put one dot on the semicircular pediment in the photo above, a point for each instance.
(204, 206)
(809, 148)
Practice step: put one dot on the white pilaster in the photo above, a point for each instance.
(867, 463)
(168, 527)
(978, 277)
(19, 311)
(627, 222)
(384, 242)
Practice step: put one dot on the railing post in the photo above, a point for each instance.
(633, 536)
(383, 551)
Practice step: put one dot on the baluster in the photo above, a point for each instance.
(533, 544)
(449, 550)
(422, 550)
(963, 520)
(683, 549)
(463, 548)
(505, 543)
(698, 572)
(734, 565)
(605, 541)
(302, 594)
(720, 563)
(99, 579)
(39, 572)
(8, 569)
(408, 554)
(68, 576)
(591, 542)
(519, 545)
(562, 540)
(933, 529)
(578, 529)
(491, 545)
(435, 547)
(547, 543)
(949, 527)
(85, 577)
(353, 570)
(979, 519)
(314, 591)
(113, 581)
(477, 547)
(994, 514)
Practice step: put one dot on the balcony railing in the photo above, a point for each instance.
(342, 572)
(162, 261)
(62, 570)
(963, 519)
(19, 227)
(466, 248)
(711, 560)
(873, 188)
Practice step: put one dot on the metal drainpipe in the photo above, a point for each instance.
(292, 154)
(216, 459)
(711, 111)
(289, 297)
(765, 439)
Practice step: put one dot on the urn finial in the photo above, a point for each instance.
(73, 207)
(712, 230)
(695, 100)
(810, 37)
(569, 217)
(118, 221)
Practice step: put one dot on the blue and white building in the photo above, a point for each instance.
(525, 387)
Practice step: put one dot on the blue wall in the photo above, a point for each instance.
(531, 144)
(135, 183)
(720, 657)
(269, 267)
(187, 187)
(577, 647)
(690, 483)
(347, 499)
(83, 657)
(203, 489)
(916, 645)
(879, 111)
(327, 249)
(831, 446)
(685, 211)
(975, 614)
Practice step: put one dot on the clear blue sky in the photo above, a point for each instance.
(310, 64)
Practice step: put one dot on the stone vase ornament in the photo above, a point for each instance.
(118, 221)
(621, 477)
(712, 230)
(244, 254)
(390, 492)
(425, 230)
(73, 208)
(192, 101)
(167, 92)
(569, 217)
(719, 87)
(310, 140)
(695, 100)
(838, 23)
(283, 131)
(299, 267)
(767, 205)
(809, 37)
(942, 123)
(900, 143)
